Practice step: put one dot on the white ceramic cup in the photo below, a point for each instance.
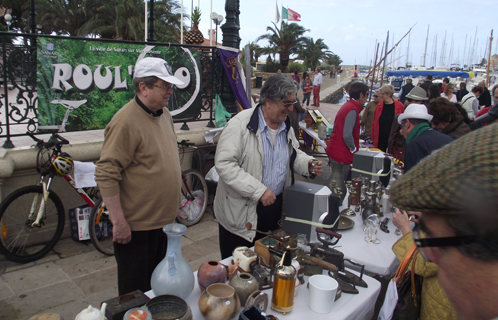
(322, 293)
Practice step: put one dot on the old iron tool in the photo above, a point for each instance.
(383, 225)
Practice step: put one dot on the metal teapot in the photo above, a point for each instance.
(92, 313)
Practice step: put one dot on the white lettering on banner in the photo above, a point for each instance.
(83, 77)
(102, 82)
(62, 73)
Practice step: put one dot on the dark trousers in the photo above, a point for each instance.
(306, 98)
(137, 259)
(268, 218)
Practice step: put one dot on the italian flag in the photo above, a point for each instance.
(290, 15)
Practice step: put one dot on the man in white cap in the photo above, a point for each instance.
(421, 139)
(139, 174)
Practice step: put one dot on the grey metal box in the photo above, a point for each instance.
(369, 161)
(305, 201)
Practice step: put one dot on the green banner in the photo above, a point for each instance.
(82, 84)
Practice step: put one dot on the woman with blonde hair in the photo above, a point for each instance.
(384, 115)
(448, 93)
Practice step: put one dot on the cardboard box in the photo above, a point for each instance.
(79, 218)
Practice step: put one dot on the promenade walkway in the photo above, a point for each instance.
(75, 275)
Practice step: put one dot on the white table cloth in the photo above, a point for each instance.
(348, 307)
(379, 259)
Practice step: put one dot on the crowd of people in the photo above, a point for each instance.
(451, 192)
(447, 185)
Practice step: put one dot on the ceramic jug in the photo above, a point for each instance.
(211, 272)
(92, 313)
(173, 275)
(219, 302)
(244, 284)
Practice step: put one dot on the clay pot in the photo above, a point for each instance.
(219, 302)
(244, 284)
(211, 272)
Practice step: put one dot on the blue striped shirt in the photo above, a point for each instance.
(275, 157)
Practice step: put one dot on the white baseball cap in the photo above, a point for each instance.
(415, 111)
(155, 67)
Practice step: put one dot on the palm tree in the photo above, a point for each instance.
(286, 40)
(312, 52)
(64, 17)
(256, 51)
(124, 19)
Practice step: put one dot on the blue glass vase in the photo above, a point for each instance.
(173, 275)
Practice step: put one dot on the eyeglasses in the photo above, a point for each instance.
(166, 87)
(376, 96)
(403, 123)
(421, 240)
(288, 104)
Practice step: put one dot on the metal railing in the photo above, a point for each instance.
(19, 101)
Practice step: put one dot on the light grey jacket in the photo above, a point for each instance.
(239, 162)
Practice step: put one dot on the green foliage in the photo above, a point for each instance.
(285, 40)
(334, 60)
(295, 66)
(196, 16)
(312, 52)
(271, 66)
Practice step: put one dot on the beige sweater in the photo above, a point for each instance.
(140, 161)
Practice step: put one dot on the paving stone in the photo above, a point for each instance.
(68, 247)
(5, 290)
(186, 241)
(202, 231)
(199, 249)
(98, 280)
(47, 298)
(8, 311)
(215, 239)
(35, 277)
(85, 263)
(9, 266)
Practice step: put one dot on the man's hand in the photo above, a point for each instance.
(121, 232)
(268, 198)
(315, 167)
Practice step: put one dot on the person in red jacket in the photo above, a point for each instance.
(384, 115)
(345, 138)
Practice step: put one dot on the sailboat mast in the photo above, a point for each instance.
(464, 50)
(426, 39)
(407, 52)
(489, 58)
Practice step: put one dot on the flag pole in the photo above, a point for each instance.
(211, 26)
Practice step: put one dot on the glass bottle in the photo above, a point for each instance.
(173, 275)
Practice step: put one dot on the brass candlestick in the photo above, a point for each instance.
(352, 193)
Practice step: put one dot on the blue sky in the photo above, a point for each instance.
(351, 28)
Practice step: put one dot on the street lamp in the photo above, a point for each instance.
(217, 19)
(8, 19)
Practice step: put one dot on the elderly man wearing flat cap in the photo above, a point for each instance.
(456, 189)
(139, 174)
(421, 139)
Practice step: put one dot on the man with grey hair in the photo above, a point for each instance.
(455, 190)
(138, 166)
(256, 158)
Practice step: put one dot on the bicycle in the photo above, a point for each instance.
(194, 193)
(194, 203)
(32, 217)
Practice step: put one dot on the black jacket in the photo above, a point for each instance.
(426, 85)
(406, 89)
(426, 143)
(485, 98)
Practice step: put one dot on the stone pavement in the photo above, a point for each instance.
(74, 275)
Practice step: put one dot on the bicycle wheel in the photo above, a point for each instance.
(101, 228)
(19, 241)
(194, 203)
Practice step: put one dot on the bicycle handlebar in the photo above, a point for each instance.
(186, 143)
(55, 140)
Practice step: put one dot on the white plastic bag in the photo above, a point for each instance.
(190, 209)
(212, 175)
(390, 301)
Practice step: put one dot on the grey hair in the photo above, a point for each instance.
(387, 89)
(148, 81)
(276, 88)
